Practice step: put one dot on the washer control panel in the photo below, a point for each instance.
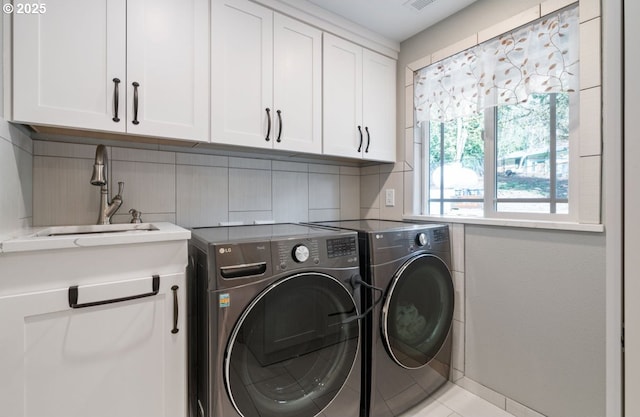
(295, 253)
(343, 246)
(329, 251)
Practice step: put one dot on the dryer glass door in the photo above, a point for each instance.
(418, 311)
(293, 348)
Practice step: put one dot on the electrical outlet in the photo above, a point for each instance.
(390, 197)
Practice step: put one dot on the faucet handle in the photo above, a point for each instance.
(136, 216)
(120, 188)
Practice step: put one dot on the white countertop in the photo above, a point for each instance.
(61, 237)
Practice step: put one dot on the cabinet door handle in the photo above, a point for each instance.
(135, 103)
(280, 125)
(175, 309)
(360, 146)
(116, 99)
(368, 139)
(268, 124)
(73, 296)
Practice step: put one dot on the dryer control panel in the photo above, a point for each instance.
(395, 244)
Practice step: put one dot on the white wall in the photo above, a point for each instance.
(631, 203)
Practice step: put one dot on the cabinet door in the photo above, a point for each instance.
(379, 106)
(241, 73)
(118, 359)
(297, 85)
(168, 57)
(342, 97)
(64, 64)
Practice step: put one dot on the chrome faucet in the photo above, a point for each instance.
(99, 178)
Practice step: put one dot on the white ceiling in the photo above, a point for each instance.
(396, 20)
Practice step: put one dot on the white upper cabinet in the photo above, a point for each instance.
(80, 63)
(241, 73)
(297, 85)
(68, 64)
(168, 57)
(379, 106)
(342, 97)
(266, 79)
(359, 102)
(227, 71)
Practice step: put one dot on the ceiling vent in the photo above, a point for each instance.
(417, 5)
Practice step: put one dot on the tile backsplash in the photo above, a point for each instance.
(189, 189)
(16, 150)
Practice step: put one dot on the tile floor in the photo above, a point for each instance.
(454, 401)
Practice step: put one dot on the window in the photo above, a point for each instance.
(456, 166)
(497, 121)
(532, 155)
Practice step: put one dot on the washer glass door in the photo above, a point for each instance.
(418, 311)
(293, 348)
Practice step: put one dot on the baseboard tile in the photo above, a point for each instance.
(499, 400)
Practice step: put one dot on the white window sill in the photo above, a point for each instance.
(531, 224)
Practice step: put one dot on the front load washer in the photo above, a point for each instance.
(407, 349)
(275, 325)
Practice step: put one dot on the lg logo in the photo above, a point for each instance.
(224, 250)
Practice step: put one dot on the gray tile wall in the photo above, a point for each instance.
(190, 189)
(16, 150)
(535, 317)
(374, 181)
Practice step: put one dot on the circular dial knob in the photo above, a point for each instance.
(300, 253)
(421, 239)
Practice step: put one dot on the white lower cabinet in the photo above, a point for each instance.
(123, 358)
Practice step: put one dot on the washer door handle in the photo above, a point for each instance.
(244, 270)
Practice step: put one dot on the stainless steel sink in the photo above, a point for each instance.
(96, 229)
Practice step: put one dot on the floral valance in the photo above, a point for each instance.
(541, 57)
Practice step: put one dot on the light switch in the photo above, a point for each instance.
(390, 197)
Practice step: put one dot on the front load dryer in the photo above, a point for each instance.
(275, 325)
(407, 349)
